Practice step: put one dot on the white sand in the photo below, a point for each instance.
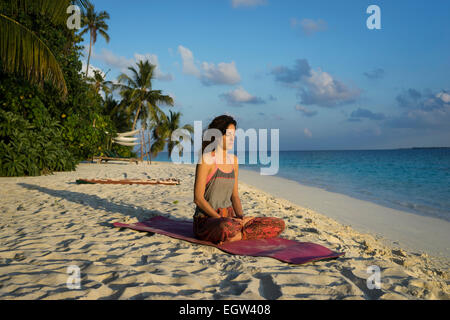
(48, 223)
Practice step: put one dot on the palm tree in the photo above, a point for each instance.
(22, 52)
(163, 130)
(120, 119)
(99, 83)
(136, 91)
(94, 22)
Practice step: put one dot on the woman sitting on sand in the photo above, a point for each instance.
(218, 216)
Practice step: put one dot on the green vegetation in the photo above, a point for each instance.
(51, 115)
(137, 94)
(163, 130)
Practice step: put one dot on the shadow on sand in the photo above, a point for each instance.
(98, 203)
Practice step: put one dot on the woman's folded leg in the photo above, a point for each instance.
(263, 228)
(217, 230)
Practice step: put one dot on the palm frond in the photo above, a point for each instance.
(188, 127)
(156, 97)
(104, 35)
(23, 53)
(82, 3)
(54, 10)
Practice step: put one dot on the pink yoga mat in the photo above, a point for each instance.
(285, 250)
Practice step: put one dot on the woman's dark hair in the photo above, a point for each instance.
(220, 123)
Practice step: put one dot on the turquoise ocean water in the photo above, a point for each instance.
(415, 180)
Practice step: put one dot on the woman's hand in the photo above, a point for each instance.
(238, 216)
(239, 219)
(243, 220)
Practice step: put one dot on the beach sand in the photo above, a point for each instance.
(50, 223)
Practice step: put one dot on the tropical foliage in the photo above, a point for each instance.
(24, 53)
(138, 96)
(33, 107)
(31, 141)
(99, 82)
(162, 133)
(51, 115)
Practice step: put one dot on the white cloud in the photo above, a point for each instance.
(122, 63)
(306, 112)
(309, 26)
(247, 3)
(239, 96)
(91, 70)
(114, 61)
(315, 87)
(445, 97)
(209, 73)
(188, 61)
(223, 73)
(326, 90)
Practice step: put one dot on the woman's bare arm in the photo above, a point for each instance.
(237, 206)
(201, 174)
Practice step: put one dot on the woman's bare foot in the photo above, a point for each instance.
(237, 237)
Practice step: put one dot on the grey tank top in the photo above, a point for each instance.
(218, 190)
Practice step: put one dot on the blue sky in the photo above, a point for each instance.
(311, 69)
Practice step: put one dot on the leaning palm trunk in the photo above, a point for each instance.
(89, 56)
(136, 116)
(149, 147)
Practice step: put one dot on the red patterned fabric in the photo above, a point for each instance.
(221, 229)
(263, 228)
